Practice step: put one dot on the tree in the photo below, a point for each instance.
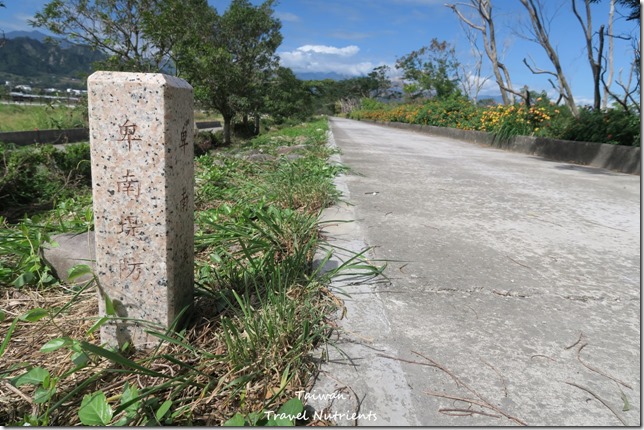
(634, 75)
(168, 24)
(112, 26)
(382, 83)
(635, 9)
(431, 68)
(358, 87)
(287, 96)
(324, 93)
(470, 74)
(540, 34)
(631, 86)
(486, 27)
(230, 58)
(611, 55)
(595, 64)
(136, 35)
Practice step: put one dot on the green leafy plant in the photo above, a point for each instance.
(20, 262)
(613, 126)
(285, 416)
(41, 174)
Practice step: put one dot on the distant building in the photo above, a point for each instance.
(25, 89)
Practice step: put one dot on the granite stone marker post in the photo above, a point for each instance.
(141, 137)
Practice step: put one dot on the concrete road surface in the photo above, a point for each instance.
(513, 291)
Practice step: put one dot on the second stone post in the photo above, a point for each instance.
(141, 131)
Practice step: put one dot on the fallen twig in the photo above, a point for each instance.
(601, 400)
(465, 412)
(602, 225)
(481, 402)
(505, 388)
(460, 399)
(520, 264)
(358, 400)
(594, 369)
(581, 335)
(18, 392)
(544, 356)
(406, 361)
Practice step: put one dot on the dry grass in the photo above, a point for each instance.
(259, 310)
(210, 399)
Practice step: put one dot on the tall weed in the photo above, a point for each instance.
(260, 306)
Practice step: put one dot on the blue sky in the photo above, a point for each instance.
(351, 37)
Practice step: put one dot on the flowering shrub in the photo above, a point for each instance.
(543, 119)
(455, 112)
(507, 121)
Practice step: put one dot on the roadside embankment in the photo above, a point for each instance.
(625, 159)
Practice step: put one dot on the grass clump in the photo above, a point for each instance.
(33, 178)
(18, 117)
(260, 305)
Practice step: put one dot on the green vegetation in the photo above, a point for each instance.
(431, 68)
(543, 119)
(15, 117)
(232, 61)
(260, 308)
(35, 177)
(228, 57)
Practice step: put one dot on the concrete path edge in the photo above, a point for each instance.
(624, 159)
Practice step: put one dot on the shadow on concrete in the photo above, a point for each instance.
(587, 169)
(593, 170)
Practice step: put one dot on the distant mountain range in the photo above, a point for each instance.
(27, 57)
(37, 35)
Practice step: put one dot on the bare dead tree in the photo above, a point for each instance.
(470, 75)
(542, 36)
(630, 86)
(486, 27)
(610, 66)
(536, 71)
(595, 64)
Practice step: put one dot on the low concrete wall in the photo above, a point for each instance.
(22, 138)
(207, 124)
(70, 135)
(625, 159)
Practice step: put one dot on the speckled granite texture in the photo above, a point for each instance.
(141, 132)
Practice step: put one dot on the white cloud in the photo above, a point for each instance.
(287, 17)
(326, 59)
(347, 51)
